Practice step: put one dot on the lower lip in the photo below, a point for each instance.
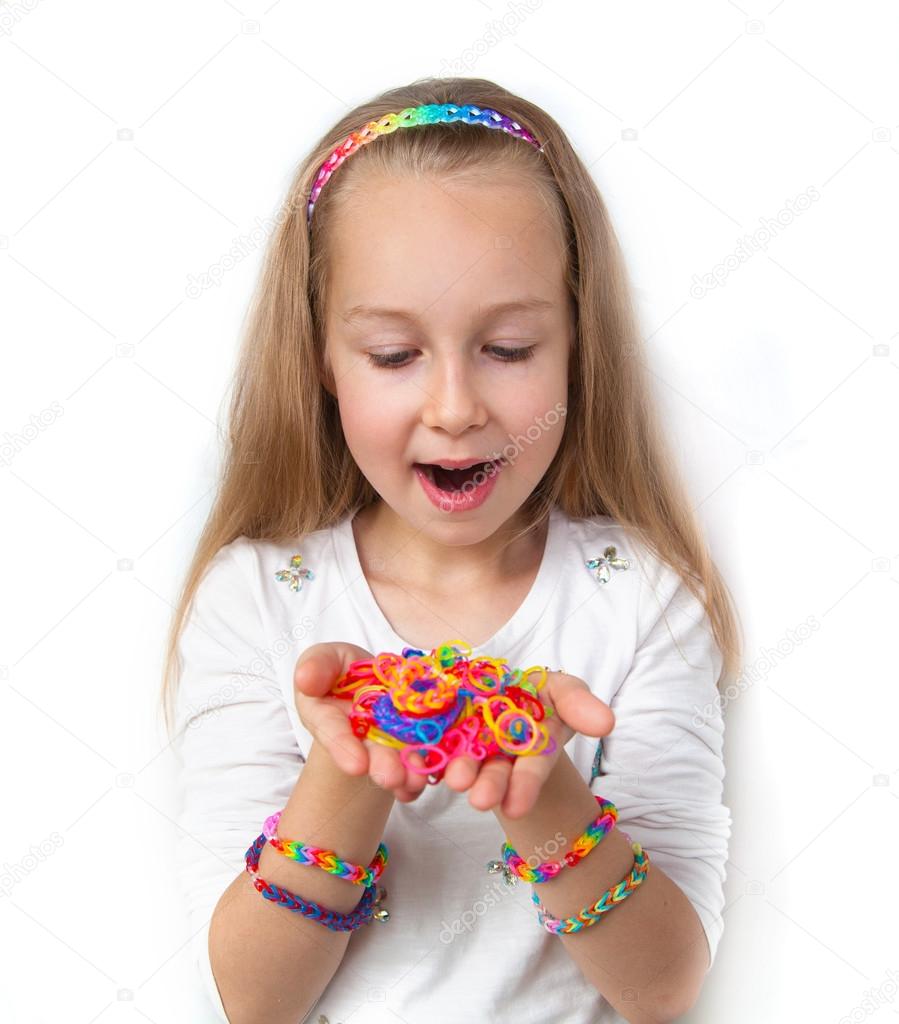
(471, 497)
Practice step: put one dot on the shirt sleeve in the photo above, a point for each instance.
(239, 756)
(662, 764)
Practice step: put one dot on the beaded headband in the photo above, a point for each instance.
(427, 113)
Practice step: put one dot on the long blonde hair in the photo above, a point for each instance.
(288, 472)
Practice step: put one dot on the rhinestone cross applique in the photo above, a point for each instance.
(294, 575)
(606, 564)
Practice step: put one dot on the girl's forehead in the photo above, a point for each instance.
(414, 211)
(411, 243)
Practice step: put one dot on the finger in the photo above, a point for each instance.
(331, 727)
(321, 665)
(416, 783)
(578, 707)
(527, 777)
(385, 766)
(491, 783)
(404, 796)
(461, 772)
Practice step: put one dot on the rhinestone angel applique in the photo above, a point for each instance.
(603, 566)
(294, 575)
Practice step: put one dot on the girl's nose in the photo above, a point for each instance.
(452, 399)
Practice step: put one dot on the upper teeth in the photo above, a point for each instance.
(462, 467)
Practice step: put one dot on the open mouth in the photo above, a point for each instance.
(455, 479)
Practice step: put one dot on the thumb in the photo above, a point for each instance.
(321, 665)
(578, 707)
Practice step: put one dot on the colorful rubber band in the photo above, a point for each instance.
(445, 705)
(366, 910)
(609, 899)
(426, 113)
(513, 864)
(327, 860)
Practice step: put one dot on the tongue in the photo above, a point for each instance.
(453, 479)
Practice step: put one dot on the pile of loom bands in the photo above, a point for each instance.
(445, 705)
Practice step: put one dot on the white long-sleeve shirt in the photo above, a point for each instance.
(460, 944)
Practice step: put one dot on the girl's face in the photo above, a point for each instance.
(448, 331)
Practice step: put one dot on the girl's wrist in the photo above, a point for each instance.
(335, 811)
(334, 783)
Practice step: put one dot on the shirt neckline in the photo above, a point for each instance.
(523, 620)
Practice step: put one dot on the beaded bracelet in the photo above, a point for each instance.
(514, 867)
(363, 913)
(609, 899)
(327, 860)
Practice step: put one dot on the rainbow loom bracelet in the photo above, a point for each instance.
(426, 113)
(363, 913)
(514, 866)
(609, 899)
(327, 860)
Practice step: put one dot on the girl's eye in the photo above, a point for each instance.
(393, 360)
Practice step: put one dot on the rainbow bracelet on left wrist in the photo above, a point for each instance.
(608, 901)
(513, 866)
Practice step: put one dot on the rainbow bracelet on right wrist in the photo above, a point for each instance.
(367, 909)
(327, 860)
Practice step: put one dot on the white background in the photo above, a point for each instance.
(140, 141)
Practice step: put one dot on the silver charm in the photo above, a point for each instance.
(382, 913)
(606, 564)
(294, 575)
(509, 877)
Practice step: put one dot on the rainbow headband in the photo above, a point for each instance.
(428, 113)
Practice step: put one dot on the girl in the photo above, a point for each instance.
(438, 294)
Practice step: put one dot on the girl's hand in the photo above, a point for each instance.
(328, 719)
(516, 784)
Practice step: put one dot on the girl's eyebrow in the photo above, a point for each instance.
(528, 305)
